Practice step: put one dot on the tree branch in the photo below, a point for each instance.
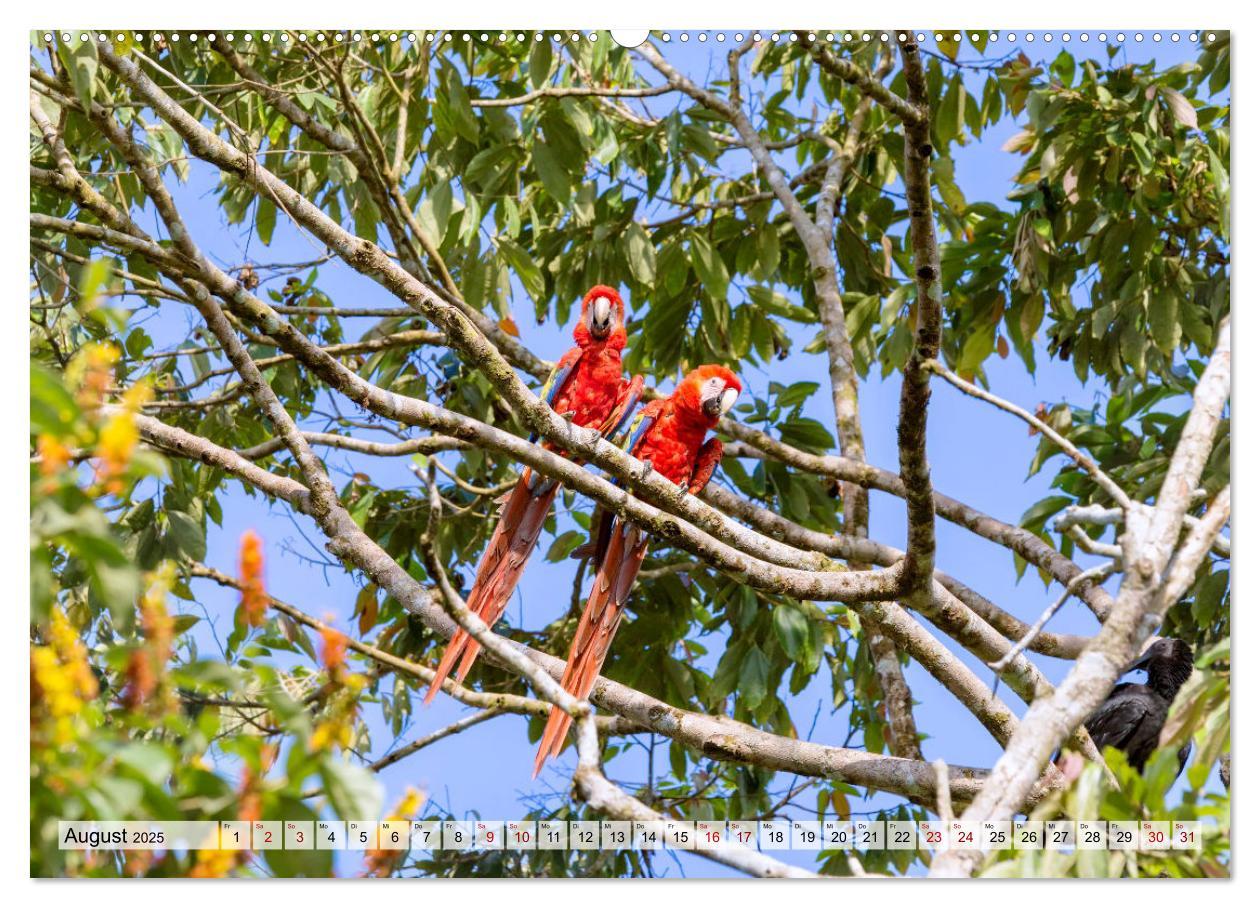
(1143, 600)
(718, 737)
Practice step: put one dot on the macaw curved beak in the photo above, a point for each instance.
(601, 316)
(718, 404)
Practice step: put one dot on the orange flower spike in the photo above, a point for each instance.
(254, 597)
(53, 456)
(333, 654)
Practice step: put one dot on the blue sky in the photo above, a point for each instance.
(485, 771)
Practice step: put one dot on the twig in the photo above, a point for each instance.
(1098, 572)
(1105, 482)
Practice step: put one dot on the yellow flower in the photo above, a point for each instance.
(215, 864)
(61, 680)
(410, 804)
(117, 440)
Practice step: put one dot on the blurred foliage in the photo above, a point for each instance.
(1111, 252)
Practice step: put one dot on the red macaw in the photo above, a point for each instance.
(587, 387)
(670, 435)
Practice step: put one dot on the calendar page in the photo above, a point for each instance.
(795, 452)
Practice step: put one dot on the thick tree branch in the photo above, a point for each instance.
(916, 388)
(1148, 589)
(718, 737)
(369, 260)
(1029, 546)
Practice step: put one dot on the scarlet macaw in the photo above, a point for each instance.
(587, 387)
(668, 434)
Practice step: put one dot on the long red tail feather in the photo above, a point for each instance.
(500, 570)
(595, 631)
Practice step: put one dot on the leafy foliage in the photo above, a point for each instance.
(1112, 251)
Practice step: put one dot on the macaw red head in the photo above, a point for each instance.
(603, 318)
(708, 392)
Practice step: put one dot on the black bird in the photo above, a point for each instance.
(1132, 716)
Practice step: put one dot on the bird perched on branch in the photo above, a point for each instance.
(587, 388)
(1132, 716)
(669, 436)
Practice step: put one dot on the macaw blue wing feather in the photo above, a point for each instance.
(556, 381)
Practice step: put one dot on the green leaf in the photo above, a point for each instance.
(150, 761)
(709, 266)
(53, 408)
(265, 222)
(640, 255)
(539, 63)
(554, 178)
(809, 434)
(792, 630)
(453, 113)
(978, 348)
(753, 675)
(291, 863)
(1035, 517)
(353, 790)
(187, 534)
(1162, 315)
(526, 268)
(81, 63)
(1181, 109)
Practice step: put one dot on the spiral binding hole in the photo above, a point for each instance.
(276, 39)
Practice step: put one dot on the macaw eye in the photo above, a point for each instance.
(728, 399)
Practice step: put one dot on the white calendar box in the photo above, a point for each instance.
(426, 835)
(1122, 835)
(711, 834)
(1061, 835)
(680, 835)
(869, 835)
(330, 835)
(1154, 835)
(649, 834)
(522, 835)
(488, 835)
(1091, 835)
(267, 835)
(584, 835)
(806, 835)
(457, 835)
(900, 835)
(616, 835)
(553, 835)
(837, 835)
(393, 835)
(299, 835)
(774, 835)
(741, 833)
(1029, 835)
(1187, 835)
(994, 835)
(932, 834)
(361, 835)
(234, 835)
(964, 834)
